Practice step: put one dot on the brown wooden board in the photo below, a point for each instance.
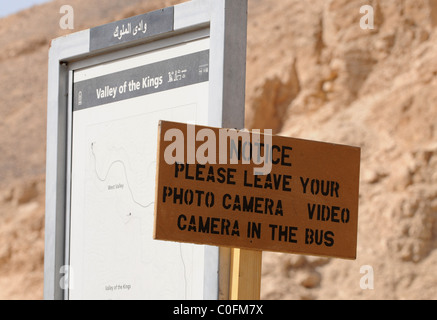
(308, 204)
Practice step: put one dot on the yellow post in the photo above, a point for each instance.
(245, 277)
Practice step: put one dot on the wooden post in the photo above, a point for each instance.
(245, 277)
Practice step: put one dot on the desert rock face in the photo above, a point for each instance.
(312, 73)
(368, 88)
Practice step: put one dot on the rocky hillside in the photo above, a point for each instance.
(330, 80)
(312, 73)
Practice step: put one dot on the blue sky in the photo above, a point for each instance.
(8, 7)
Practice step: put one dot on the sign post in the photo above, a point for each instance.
(246, 268)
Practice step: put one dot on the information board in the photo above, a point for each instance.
(108, 87)
(305, 201)
(116, 109)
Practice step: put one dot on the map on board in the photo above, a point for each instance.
(116, 110)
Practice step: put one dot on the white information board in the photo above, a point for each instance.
(108, 88)
(113, 174)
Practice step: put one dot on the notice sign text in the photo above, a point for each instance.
(256, 191)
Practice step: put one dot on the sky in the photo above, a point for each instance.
(8, 7)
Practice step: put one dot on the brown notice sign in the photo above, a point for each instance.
(210, 191)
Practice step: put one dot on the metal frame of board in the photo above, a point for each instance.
(225, 22)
